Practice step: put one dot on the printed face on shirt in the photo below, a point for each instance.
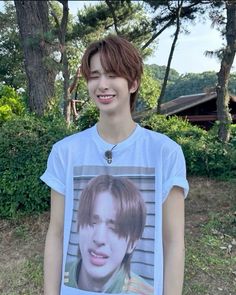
(102, 250)
(109, 92)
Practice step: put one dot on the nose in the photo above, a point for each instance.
(100, 234)
(103, 83)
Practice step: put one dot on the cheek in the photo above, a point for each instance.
(85, 234)
(119, 246)
(91, 85)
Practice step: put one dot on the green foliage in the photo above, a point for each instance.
(192, 83)
(132, 21)
(189, 84)
(204, 153)
(232, 84)
(11, 55)
(88, 117)
(158, 73)
(25, 143)
(10, 103)
(148, 93)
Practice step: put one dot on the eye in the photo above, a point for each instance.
(93, 221)
(113, 227)
(92, 77)
(111, 75)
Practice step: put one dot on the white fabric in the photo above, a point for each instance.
(144, 148)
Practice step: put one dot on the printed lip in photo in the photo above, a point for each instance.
(97, 258)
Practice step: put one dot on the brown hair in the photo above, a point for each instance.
(118, 56)
(130, 213)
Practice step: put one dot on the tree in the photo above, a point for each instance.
(61, 29)
(11, 56)
(149, 91)
(168, 13)
(33, 22)
(158, 72)
(228, 55)
(124, 18)
(190, 83)
(176, 35)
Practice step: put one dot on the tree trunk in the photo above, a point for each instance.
(223, 112)
(65, 68)
(163, 88)
(62, 30)
(33, 22)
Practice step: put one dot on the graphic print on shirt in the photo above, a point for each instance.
(111, 245)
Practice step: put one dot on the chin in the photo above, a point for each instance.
(99, 274)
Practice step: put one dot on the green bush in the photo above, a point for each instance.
(11, 103)
(88, 117)
(25, 143)
(204, 153)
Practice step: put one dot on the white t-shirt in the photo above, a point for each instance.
(152, 161)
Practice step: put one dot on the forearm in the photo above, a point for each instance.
(173, 268)
(52, 263)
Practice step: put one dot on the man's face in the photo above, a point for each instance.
(109, 92)
(102, 250)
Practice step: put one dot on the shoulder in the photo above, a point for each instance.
(70, 274)
(73, 141)
(160, 141)
(137, 285)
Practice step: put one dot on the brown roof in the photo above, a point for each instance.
(181, 103)
(185, 102)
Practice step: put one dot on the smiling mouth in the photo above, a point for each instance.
(108, 96)
(105, 98)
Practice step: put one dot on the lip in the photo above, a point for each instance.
(105, 98)
(97, 258)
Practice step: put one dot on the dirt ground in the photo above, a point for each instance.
(22, 243)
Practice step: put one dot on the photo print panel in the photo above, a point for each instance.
(112, 238)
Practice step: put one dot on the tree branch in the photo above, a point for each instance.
(178, 24)
(109, 4)
(155, 35)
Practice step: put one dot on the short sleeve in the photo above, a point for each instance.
(174, 173)
(54, 176)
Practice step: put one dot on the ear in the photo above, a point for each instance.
(131, 248)
(134, 86)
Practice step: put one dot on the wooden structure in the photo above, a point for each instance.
(199, 109)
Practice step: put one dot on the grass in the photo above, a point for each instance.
(21, 259)
(24, 277)
(211, 238)
(210, 244)
(211, 259)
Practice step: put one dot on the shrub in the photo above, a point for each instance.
(204, 153)
(88, 117)
(10, 103)
(25, 143)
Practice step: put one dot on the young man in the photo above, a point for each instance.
(113, 69)
(111, 219)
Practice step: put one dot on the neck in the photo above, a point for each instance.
(89, 284)
(115, 130)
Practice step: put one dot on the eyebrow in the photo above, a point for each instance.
(98, 72)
